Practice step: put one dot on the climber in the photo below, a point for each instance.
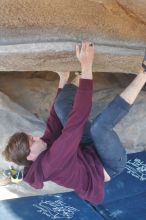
(75, 152)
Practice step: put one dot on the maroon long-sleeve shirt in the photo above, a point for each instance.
(66, 162)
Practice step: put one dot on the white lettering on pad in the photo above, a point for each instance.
(56, 209)
(136, 168)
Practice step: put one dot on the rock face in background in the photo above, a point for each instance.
(136, 9)
(36, 92)
(41, 35)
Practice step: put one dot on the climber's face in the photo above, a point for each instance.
(37, 146)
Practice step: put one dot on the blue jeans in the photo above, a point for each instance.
(100, 131)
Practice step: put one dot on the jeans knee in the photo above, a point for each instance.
(97, 129)
(94, 129)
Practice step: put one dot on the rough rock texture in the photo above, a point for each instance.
(136, 9)
(33, 91)
(41, 35)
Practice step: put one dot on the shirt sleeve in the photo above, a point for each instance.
(53, 126)
(67, 144)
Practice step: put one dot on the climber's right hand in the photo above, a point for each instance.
(85, 55)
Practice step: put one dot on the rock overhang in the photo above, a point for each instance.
(41, 35)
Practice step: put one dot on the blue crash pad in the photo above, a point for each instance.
(130, 182)
(125, 195)
(58, 206)
(130, 208)
(125, 199)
